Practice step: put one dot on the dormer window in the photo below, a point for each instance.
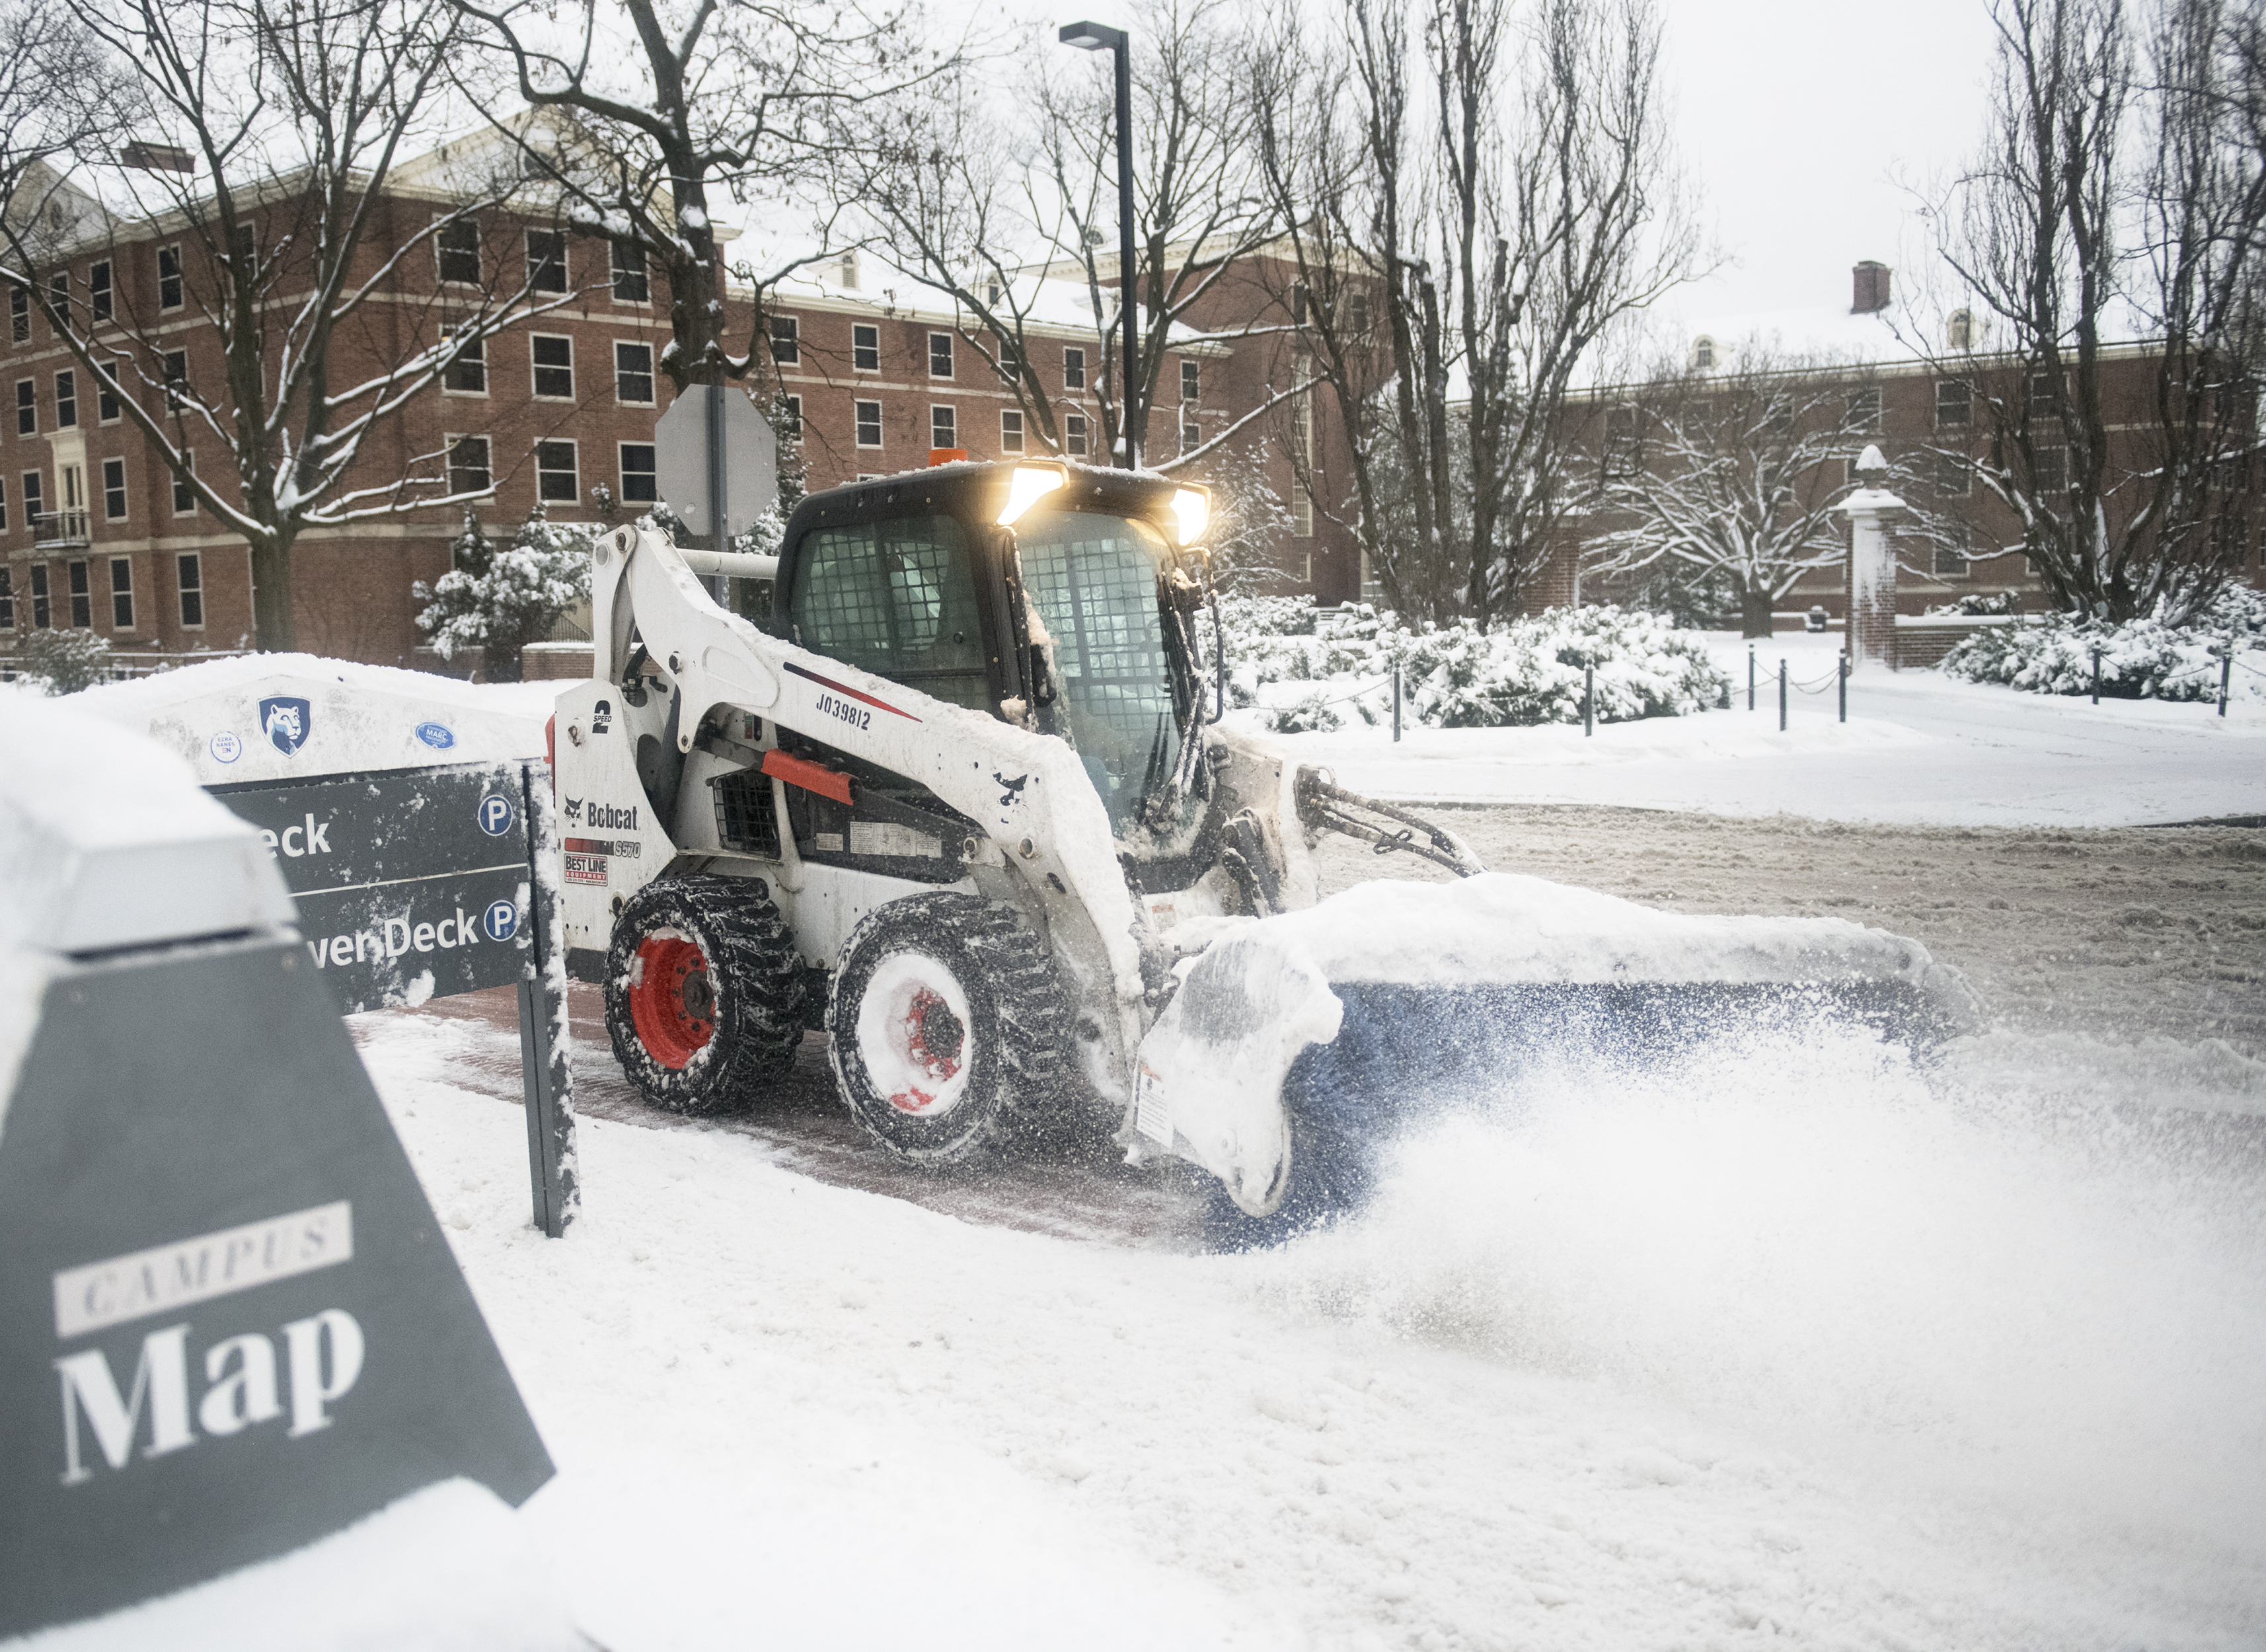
(1703, 353)
(1959, 331)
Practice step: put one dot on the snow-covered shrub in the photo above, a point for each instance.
(2141, 659)
(1981, 605)
(64, 661)
(1306, 668)
(500, 600)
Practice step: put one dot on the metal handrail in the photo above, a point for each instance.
(55, 528)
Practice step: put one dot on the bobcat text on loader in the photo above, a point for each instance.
(962, 799)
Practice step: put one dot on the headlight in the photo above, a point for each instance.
(1192, 512)
(1026, 485)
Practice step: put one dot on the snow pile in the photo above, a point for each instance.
(358, 717)
(449, 1568)
(1306, 670)
(2141, 659)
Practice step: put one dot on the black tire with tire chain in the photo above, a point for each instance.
(757, 973)
(1025, 1086)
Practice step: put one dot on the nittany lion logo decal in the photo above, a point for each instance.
(287, 723)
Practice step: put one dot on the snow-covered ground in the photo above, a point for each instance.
(1918, 748)
(1791, 1348)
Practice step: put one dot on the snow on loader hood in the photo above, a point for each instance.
(277, 716)
(1212, 1070)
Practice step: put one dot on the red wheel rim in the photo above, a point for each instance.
(673, 1004)
(933, 1039)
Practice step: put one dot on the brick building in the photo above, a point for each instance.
(1915, 405)
(559, 409)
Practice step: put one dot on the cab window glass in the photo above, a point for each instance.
(898, 599)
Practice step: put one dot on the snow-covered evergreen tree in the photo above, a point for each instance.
(500, 600)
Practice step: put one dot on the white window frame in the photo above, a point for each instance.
(125, 498)
(951, 417)
(481, 345)
(180, 279)
(479, 251)
(870, 331)
(32, 406)
(1191, 380)
(794, 416)
(1070, 351)
(616, 269)
(189, 461)
(448, 466)
(565, 277)
(575, 498)
(792, 340)
(651, 373)
(124, 592)
(622, 473)
(950, 359)
(1077, 438)
(1014, 435)
(181, 592)
(535, 367)
(858, 425)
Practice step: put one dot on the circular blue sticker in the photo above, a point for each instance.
(501, 920)
(440, 736)
(225, 747)
(496, 814)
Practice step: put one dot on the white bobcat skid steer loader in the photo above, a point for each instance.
(960, 791)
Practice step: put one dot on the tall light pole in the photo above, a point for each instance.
(1094, 37)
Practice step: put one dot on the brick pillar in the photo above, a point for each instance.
(1872, 623)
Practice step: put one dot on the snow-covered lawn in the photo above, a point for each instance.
(1918, 748)
(1792, 1349)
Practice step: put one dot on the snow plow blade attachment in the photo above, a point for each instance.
(1297, 1047)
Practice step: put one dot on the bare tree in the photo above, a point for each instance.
(1728, 477)
(296, 112)
(664, 123)
(978, 209)
(1501, 249)
(2121, 458)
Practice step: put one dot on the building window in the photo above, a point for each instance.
(1073, 369)
(176, 380)
(2050, 470)
(1299, 305)
(1703, 353)
(106, 409)
(1954, 478)
(1950, 560)
(467, 372)
(1302, 427)
(554, 366)
(1191, 437)
(34, 498)
(82, 594)
(866, 349)
(2042, 402)
(121, 592)
(459, 246)
(632, 285)
(869, 424)
(114, 490)
(470, 470)
(1074, 438)
(27, 408)
(99, 297)
(794, 432)
(1011, 430)
(641, 480)
(192, 585)
(7, 599)
(169, 278)
(557, 478)
(58, 299)
(940, 355)
(3, 516)
(1954, 403)
(546, 262)
(1010, 358)
(185, 493)
(19, 313)
(1191, 382)
(633, 373)
(1357, 313)
(1302, 511)
(41, 618)
(1959, 331)
(786, 340)
(943, 427)
(1865, 408)
(66, 400)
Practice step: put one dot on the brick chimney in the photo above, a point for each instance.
(1871, 281)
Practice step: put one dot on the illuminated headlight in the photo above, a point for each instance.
(1192, 512)
(1026, 485)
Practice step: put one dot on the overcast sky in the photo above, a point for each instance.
(1796, 119)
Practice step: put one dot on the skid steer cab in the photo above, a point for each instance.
(938, 778)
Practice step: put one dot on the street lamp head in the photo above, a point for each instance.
(1092, 37)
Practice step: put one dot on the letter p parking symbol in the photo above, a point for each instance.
(501, 920)
(496, 814)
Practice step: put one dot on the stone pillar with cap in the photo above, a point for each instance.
(1872, 623)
